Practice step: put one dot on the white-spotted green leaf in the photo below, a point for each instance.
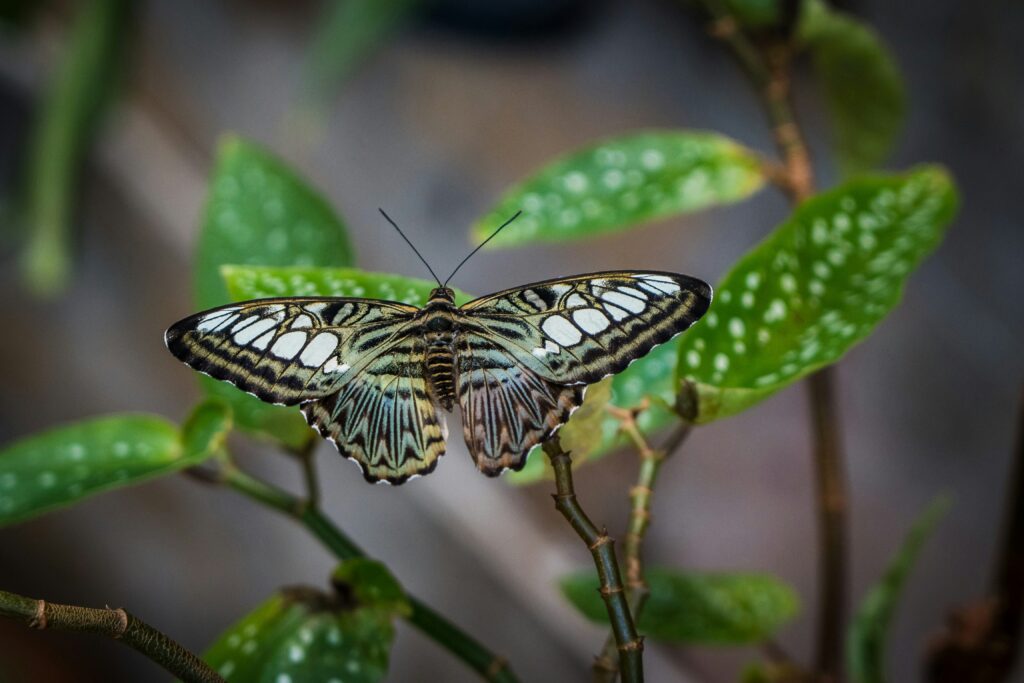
(861, 84)
(61, 466)
(691, 607)
(301, 634)
(870, 627)
(255, 282)
(259, 211)
(622, 182)
(814, 287)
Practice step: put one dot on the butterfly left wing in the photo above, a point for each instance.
(286, 351)
(507, 408)
(526, 354)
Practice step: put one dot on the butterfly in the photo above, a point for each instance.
(374, 376)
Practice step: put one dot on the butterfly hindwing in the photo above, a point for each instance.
(579, 330)
(507, 409)
(384, 416)
(285, 351)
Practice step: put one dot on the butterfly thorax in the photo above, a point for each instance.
(438, 322)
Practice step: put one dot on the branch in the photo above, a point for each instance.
(769, 72)
(602, 547)
(831, 495)
(490, 666)
(114, 623)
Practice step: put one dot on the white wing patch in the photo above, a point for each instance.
(253, 330)
(658, 284)
(630, 303)
(561, 331)
(318, 350)
(590, 320)
(288, 345)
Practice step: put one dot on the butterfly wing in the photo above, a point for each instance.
(351, 363)
(581, 329)
(507, 408)
(525, 355)
(286, 351)
(385, 417)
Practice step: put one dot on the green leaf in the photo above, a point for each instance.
(369, 583)
(301, 634)
(68, 117)
(861, 84)
(867, 634)
(812, 289)
(347, 33)
(691, 607)
(755, 14)
(63, 465)
(254, 282)
(260, 212)
(621, 182)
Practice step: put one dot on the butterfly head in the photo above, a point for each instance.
(446, 294)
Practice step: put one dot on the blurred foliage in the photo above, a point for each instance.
(260, 212)
(346, 34)
(867, 635)
(813, 288)
(619, 183)
(301, 634)
(63, 465)
(697, 608)
(63, 129)
(860, 81)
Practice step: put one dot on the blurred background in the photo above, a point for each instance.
(449, 108)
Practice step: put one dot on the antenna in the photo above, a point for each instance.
(500, 227)
(395, 226)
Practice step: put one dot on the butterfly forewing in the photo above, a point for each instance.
(285, 351)
(579, 330)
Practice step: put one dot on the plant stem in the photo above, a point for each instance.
(114, 623)
(602, 547)
(1008, 582)
(831, 500)
(769, 72)
(606, 666)
(490, 666)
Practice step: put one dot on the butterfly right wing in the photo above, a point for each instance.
(352, 364)
(286, 351)
(384, 416)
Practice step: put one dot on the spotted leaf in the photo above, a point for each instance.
(860, 82)
(63, 465)
(812, 289)
(301, 634)
(261, 282)
(622, 182)
(692, 607)
(259, 211)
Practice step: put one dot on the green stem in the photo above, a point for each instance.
(606, 666)
(61, 135)
(602, 547)
(114, 623)
(490, 666)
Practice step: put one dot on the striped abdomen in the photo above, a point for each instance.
(440, 370)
